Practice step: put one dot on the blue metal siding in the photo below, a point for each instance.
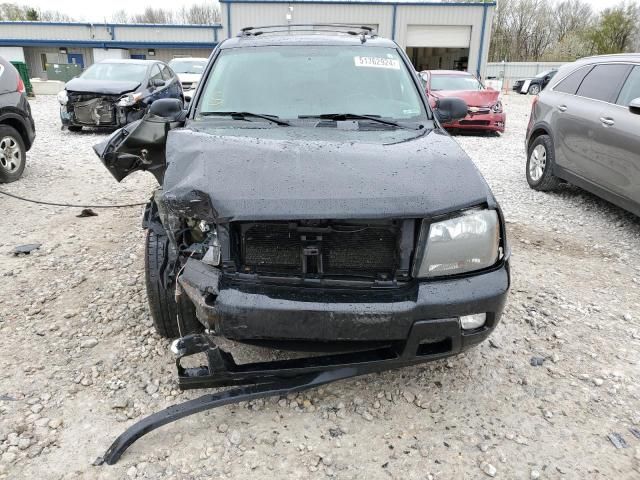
(365, 2)
(103, 44)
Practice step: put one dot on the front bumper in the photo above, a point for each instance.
(246, 316)
(121, 117)
(493, 122)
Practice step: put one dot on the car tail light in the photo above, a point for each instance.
(20, 88)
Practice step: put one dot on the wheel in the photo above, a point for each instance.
(160, 280)
(541, 158)
(13, 154)
(74, 128)
(534, 89)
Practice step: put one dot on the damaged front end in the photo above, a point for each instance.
(81, 109)
(314, 259)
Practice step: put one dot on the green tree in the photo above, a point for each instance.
(616, 30)
(32, 15)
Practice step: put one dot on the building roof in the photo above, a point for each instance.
(373, 2)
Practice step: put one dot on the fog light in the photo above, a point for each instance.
(471, 322)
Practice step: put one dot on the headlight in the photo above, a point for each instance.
(129, 99)
(461, 244)
(62, 97)
(497, 108)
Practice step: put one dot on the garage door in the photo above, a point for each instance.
(454, 36)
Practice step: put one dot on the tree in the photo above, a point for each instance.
(570, 16)
(533, 30)
(120, 16)
(32, 14)
(154, 15)
(616, 30)
(199, 14)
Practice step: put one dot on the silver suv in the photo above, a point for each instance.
(585, 129)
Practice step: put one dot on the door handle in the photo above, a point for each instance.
(562, 108)
(608, 122)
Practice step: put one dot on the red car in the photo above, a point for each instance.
(485, 108)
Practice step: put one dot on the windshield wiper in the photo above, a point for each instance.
(244, 115)
(356, 116)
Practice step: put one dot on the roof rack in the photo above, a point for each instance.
(362, 31)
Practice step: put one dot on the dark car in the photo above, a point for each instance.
(310, 199)
(113, 93)
(17, 129)
(535, 85)
(585, 129)
(486, 112)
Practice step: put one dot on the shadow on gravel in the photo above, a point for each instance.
(584, 199)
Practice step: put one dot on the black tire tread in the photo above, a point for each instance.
(548, 181)
(161, 293)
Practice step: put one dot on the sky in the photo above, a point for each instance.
(98, 11)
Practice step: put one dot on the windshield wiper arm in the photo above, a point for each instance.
(356, 116)
(244, 115)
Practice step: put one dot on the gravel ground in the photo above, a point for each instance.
(81, 361)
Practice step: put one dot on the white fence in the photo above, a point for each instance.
(508, 72)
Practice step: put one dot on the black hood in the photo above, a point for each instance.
(108, 87)
(286, 173)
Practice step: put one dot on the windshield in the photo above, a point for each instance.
(544, 74)
(115, 71)
(188, 66)
(455, 82)
(294, 81)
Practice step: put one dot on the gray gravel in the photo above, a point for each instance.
(81, 361)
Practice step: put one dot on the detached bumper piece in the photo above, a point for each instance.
(428, 340)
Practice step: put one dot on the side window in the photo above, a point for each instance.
(631, 89)
(167, 74)
(604, 82)
(155, 74)
(572, 82)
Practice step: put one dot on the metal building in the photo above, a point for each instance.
(436, 35)
(48, 43)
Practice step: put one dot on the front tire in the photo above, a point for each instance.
(13, 154)
(161, 288)
(534, 89)
(540, 162)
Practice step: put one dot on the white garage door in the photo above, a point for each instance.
(453, 36)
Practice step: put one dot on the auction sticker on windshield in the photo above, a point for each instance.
(377, 62)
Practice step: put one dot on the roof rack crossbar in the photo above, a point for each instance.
(293, 28)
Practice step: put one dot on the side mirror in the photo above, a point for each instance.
(634, 106)
(451, 109)
(171, 109)
(157, 82)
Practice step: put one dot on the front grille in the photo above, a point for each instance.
(93, 111)
(336, 249)
(187, 85)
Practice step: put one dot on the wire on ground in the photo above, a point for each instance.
(55, 204)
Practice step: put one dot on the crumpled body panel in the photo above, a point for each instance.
(311, 174)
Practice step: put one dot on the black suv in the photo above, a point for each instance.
(310, 200)
(17, 129)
